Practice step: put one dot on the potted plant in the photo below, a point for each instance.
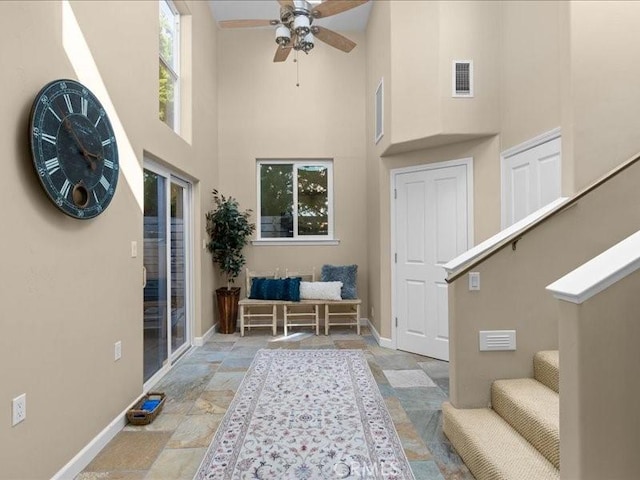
(229, 230)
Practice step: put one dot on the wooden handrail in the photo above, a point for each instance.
(516, 236)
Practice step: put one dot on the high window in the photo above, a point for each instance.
(295, 200)
(169, 87)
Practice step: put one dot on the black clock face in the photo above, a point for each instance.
(74, 148)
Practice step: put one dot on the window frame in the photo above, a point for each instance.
(297, 239)
(174, 73)
(378, 111)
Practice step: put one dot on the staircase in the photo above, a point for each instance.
(518, 438)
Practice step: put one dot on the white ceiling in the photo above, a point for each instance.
(352, 20)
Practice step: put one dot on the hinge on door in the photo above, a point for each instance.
(396, 257)
(395, 193)
(396, 322)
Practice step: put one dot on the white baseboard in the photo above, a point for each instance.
(382, 341)
(200, 341)
(89, 452)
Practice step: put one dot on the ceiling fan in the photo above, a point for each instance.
(294, 27)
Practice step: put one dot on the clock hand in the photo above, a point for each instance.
(85, 153)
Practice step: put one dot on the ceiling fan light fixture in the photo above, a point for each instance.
(283, 36)
(301, 25)
(308, 43)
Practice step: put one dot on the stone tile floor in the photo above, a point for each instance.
(202, 385)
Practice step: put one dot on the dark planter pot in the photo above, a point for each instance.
(228, 308)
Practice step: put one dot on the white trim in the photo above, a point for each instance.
(532, 142)
(454, 91)
(296, 164)
(468, 163)
(477, 251)
(89, 452)
(380, 88)
(382, 341)
(200, 341)
(296, 241)
(599, 273)
(171, 176)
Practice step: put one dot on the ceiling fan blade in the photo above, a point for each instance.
(281, 54)
(333, 7)
(334, 39)
(247, 23)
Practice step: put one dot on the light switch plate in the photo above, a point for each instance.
(474, 281)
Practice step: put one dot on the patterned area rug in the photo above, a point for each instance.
(306, 414)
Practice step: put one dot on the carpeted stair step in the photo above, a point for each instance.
(546, 369)
(491, 448)
(533, 410)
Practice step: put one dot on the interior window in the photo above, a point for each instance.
(169, 66)
(296, 199)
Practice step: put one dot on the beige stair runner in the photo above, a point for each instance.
(519, 438)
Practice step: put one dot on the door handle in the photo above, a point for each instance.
(144, 277)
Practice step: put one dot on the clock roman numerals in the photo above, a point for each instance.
(67, 100)
(55, 114)
(66, 186)
(74, 148)
(52, 165)
(49, 138)
(105, 183)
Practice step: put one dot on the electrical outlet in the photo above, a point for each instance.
(134, 249)
(373, 312)
(117, 350)
(19, 409)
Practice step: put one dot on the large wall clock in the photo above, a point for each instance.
(74, 148)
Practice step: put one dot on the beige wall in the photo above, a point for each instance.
(599, 357)
(69, 288)
(604, 118)
(378, 65)
(530, 98)
(470, 30)
(513, 296)
(264, 115)
(414, 54)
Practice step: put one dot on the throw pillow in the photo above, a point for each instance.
(287, 289)
(320, 290)
(346, 274)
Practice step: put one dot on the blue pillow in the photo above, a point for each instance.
(346, 274)
(287, 289)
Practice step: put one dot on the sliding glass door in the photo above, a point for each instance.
(167, 234)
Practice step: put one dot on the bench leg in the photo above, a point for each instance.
(242, 320)
(326, 319)
(358, 319)
(284, 311)
(274, 321)
(316, 312)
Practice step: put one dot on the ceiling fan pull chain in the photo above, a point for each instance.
(297, 69)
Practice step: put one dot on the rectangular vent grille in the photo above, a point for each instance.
(462, 78)
(494, 340)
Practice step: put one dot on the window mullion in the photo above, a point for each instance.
(295, 200)
(169, 69)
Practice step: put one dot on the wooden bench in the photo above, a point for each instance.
(253, 312)
(305, 313)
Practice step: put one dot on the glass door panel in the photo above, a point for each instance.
(155, 264)
(178, 268)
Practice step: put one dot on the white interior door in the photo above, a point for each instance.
(530, 180)
(432, 212)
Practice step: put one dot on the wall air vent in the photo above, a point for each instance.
(492, 340)
(462, 78)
